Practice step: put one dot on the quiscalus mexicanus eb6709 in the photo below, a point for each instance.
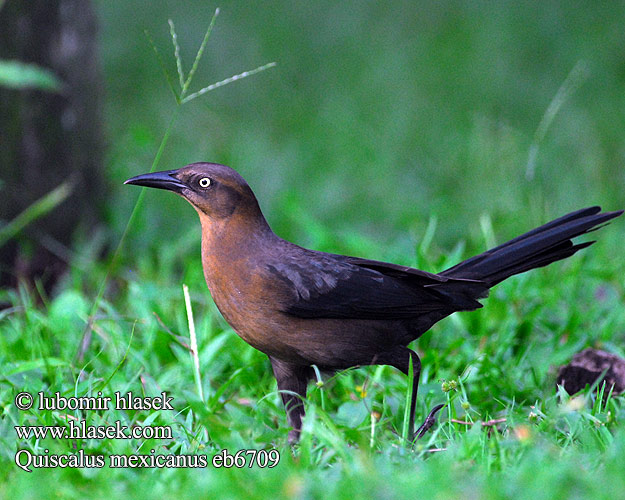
(303, 307)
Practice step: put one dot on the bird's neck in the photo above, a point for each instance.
(228, 238)
(232, 254)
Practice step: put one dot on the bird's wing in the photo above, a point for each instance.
(321, 285)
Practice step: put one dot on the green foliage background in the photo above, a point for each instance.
(381, 123)
(380, 115)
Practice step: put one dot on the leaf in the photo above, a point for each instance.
(15, 368)
(19, 75)
(351, 413)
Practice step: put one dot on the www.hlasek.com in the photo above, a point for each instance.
(77, 429)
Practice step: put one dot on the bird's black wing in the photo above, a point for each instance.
(321, 285)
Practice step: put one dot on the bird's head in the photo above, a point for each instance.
(215, 191)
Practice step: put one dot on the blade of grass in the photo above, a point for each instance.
(35, 364)
(38, 209)
(320, 386)
(372, 433)
(227, 81)
(405, 430)
(174, 40)
(194, 353)
(200, 52)
(428, 236)
(116, 255)
(121, 361)
(486, 225)
(573, 81)
(170, 80)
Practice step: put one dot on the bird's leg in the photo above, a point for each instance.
(292, 381)
(416, 371)
(400, 359)
(428, 422)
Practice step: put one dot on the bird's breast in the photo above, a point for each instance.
(245, 300)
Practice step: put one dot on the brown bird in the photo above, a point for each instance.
(303, 307)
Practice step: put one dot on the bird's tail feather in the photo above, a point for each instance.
(536, 248)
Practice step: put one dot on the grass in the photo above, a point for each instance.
(501, 360)
(393, 146)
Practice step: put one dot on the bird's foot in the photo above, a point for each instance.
(428, 422)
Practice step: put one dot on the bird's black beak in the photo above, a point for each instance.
(160, 180)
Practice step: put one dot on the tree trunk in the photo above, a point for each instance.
(47, 138)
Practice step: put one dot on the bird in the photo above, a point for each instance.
(306, 308)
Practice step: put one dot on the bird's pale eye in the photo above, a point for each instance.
(204, 182)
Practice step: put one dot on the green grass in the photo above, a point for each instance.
(502, 358)
(396, 133)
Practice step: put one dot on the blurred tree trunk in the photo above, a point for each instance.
(47, 138)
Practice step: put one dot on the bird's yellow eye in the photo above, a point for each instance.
(204, 182)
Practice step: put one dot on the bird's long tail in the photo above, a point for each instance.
(536, 248)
